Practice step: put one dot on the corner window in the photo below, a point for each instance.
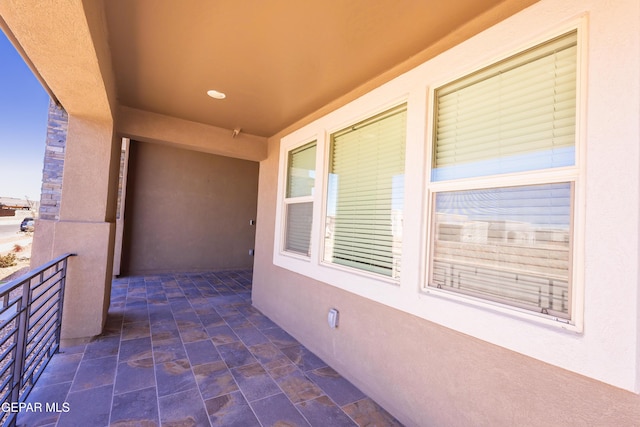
(365, 195)
(503, 181)
(301, 165)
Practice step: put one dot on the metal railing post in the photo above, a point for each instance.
(21, 341)
(63, 281)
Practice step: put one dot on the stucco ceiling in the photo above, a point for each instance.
(276, 60)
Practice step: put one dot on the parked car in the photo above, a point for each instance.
(27, 224)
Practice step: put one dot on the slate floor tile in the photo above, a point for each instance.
(267, 352)
(366, 412)
(221, 334)
(94, 373)
(230, 410)
(134, 375)
(247, 309)
(335, 386)
(202, 307)
(235, 354)
(168, 352)
(62, 368)
(281, 370)
(193, 335)
(88, 407)
(173, 294)
(138, 348)
(102, 347)
(298, 387)
(254, 382)
(200, 352)
(113, 326)
(168, 336)
(185, 408)
(261, 321)
(237, 321)
(161, 318)
(211, 320)
(214, 379)
(137, 408)
(136, 330)
(227, 310)
(279, 337)
(250, 335)
(182, 310)
(321, 412)
(135, 314)
(277, 410)
(303, 358)
(135, 310)
(158, 299)
(174, 376)
(187, 323)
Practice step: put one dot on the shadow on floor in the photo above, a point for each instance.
(191, 350)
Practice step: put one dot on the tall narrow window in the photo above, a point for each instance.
(365, 194)
(492, 239)
(301, 166)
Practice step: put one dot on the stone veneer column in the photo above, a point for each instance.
(50, 197)
(80, 186)
(51, 190)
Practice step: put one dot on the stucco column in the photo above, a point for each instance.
(86, 225)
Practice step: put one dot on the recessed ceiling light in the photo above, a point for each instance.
(215, 94)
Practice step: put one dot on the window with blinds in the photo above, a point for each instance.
(507, 243)
(365, 194)
(301, 166)
(515, 116)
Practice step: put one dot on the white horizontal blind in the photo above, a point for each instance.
(298, 232)
(514, 116)
(507, 244)
(301, 171)
(301, 164)
(366, 194)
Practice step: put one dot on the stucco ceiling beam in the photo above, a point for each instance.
(151, 127)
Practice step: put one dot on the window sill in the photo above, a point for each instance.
(569, 325)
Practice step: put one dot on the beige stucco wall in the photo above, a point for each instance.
(187, 210)
(423, 373)
(86, 226)
(427, 374)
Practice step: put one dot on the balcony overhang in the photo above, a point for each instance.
(278, 62)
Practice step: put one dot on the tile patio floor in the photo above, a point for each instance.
(190, 350)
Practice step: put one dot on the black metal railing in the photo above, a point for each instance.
(30, 321)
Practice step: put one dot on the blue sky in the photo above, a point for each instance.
(23, 126)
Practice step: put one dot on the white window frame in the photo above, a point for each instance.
(352, 279)
(288, 201)
(410, 293)
(573, 174)
(285, 201)
(327, 156)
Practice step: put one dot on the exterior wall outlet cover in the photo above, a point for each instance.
(332, 318)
